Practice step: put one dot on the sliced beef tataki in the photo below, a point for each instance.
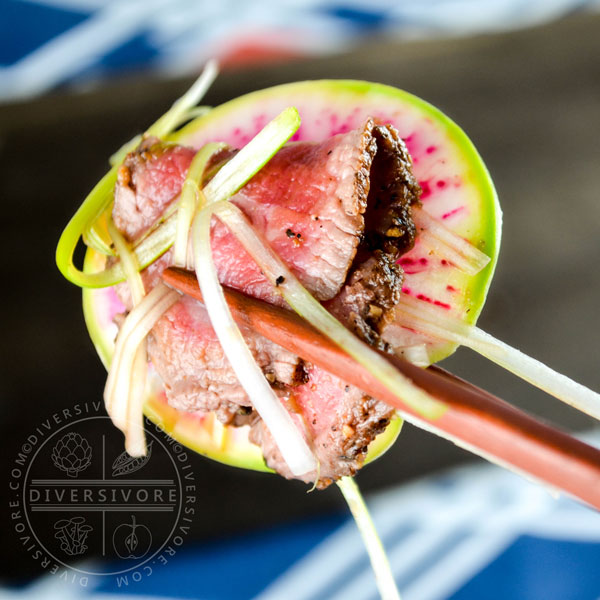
(337, 213)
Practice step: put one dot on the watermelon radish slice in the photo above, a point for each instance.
(457, 190)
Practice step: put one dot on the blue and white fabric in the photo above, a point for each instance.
(474, 533)
(45, 44)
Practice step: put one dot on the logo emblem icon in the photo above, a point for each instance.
(125, 464)
(83, 502)
(132, 540)
(72, 454)
(72, 534)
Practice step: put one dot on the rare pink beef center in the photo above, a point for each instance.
(338, 214)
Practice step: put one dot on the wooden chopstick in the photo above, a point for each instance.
(474, 419)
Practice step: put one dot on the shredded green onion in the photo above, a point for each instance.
(101, 195)
(379, 561)
(289, 440)
(253, 156)
(441, 240)
(123, 393)
(228, 180)
(91, 209)
(130, 400)
(129, 263)
(96, 235)
(194, 113)
(180, 109)
(134, 398)
(430, 320)
(191, 198)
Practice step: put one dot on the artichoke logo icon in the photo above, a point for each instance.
(72, 454)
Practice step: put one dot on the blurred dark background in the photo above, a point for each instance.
(529, 100)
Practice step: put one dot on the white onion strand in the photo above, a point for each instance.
(430, 320)
(292, 445)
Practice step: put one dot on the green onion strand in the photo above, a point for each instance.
(191, 199)
(98, 200)
(96, 235)
(384, 576)
(91, 209)
(228, 180)
(180, 109)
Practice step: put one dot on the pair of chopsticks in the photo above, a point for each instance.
(474, 419)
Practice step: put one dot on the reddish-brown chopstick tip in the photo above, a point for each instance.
(475, 418)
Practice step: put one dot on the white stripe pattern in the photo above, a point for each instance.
(437, 537)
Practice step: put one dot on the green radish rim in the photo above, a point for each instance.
(229, 445)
